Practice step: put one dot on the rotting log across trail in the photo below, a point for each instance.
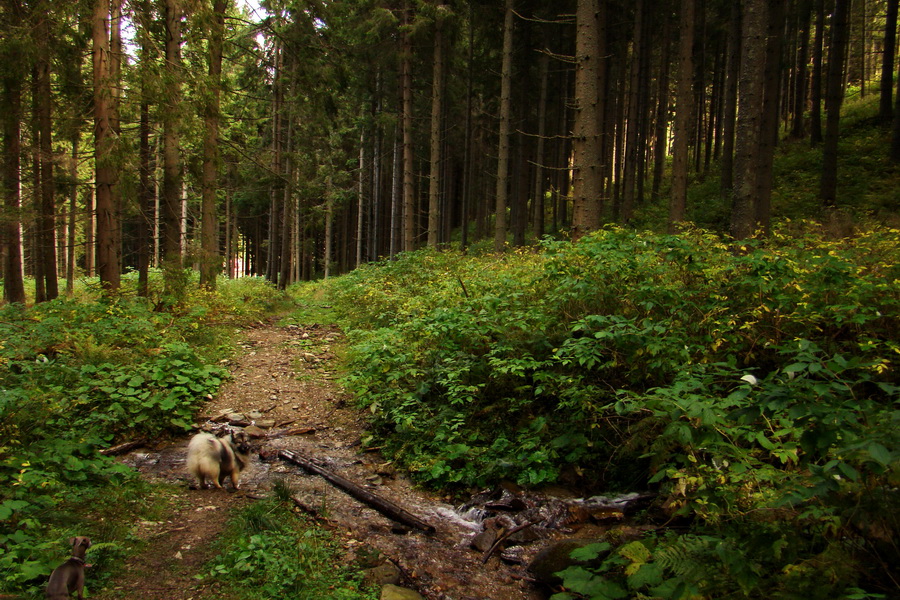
(283, 381)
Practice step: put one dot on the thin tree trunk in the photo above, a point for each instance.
(409, 199)
(815, 121)
(13, 279)
(662, 111)
(361, 197)
(172, 173)
(396, 196)
(210, 261)
(833, 99)
(437, 109)
(632, 149)
(683, 116)
(502, 194)
(538, 196)
(47, 224)
(801, 78)
(769, 125)
(730, 110)
(73, 209)
(329, 226)
(887, 62)
(467, 150)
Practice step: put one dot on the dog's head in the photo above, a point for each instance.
(79, 545)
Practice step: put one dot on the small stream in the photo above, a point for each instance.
(485, 548)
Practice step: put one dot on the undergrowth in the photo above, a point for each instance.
(754, 386)
(76, 376)
(270, 552)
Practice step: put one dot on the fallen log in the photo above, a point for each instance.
(123, 448)
(385, 507)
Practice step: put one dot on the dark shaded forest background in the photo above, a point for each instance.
(308, 137)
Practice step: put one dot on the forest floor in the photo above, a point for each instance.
(286, 373)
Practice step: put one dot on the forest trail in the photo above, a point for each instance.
(283, 376)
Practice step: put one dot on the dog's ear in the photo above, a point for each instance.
(72, 541)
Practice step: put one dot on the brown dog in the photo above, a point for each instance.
(69, 576)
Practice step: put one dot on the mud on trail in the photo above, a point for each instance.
(282, 378)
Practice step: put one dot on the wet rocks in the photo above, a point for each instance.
(394, 592)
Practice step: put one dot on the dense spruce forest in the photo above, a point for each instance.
(301, 139)
(585, 247)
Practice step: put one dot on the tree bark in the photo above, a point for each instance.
(384, 506)
(749, 121)
(47, 221)
(172, 173)
(106, 176)
(210, 260)
(437, 110)
(769, 123)
(815, 94)
(409, 200)
(632, 139)
(587, 148)
(834, 97)
(684, 107)
(13, 279)
(887, 62)
(801, 79)
(502, 194)
(729, 112)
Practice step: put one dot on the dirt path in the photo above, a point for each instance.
(283, 377)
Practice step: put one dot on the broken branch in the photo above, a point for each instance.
(385, 507)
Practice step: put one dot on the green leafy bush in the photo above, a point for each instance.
(75, 376)
(750, 384)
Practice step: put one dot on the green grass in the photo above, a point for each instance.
(270, 552)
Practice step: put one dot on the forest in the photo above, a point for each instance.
(608, 245)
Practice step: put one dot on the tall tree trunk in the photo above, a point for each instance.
(887, 62)
(502, 195)
(361, 197)
(537, 208)
(73, 209)
(172, 174)
(396, 234)
(662, 111)
(587, 147)
(834, 97)
(467, 150)
(751, 88)
(684, 106)
(769, 125)
(437, 111)
(106, 176)
(329, 226)
(815, 94)
(729, 115)
(409, 199)
(47, 224)
(13, 279)
(801, 79)
(632, 145)
(210, 260)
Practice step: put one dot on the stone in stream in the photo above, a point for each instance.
(395, 592)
